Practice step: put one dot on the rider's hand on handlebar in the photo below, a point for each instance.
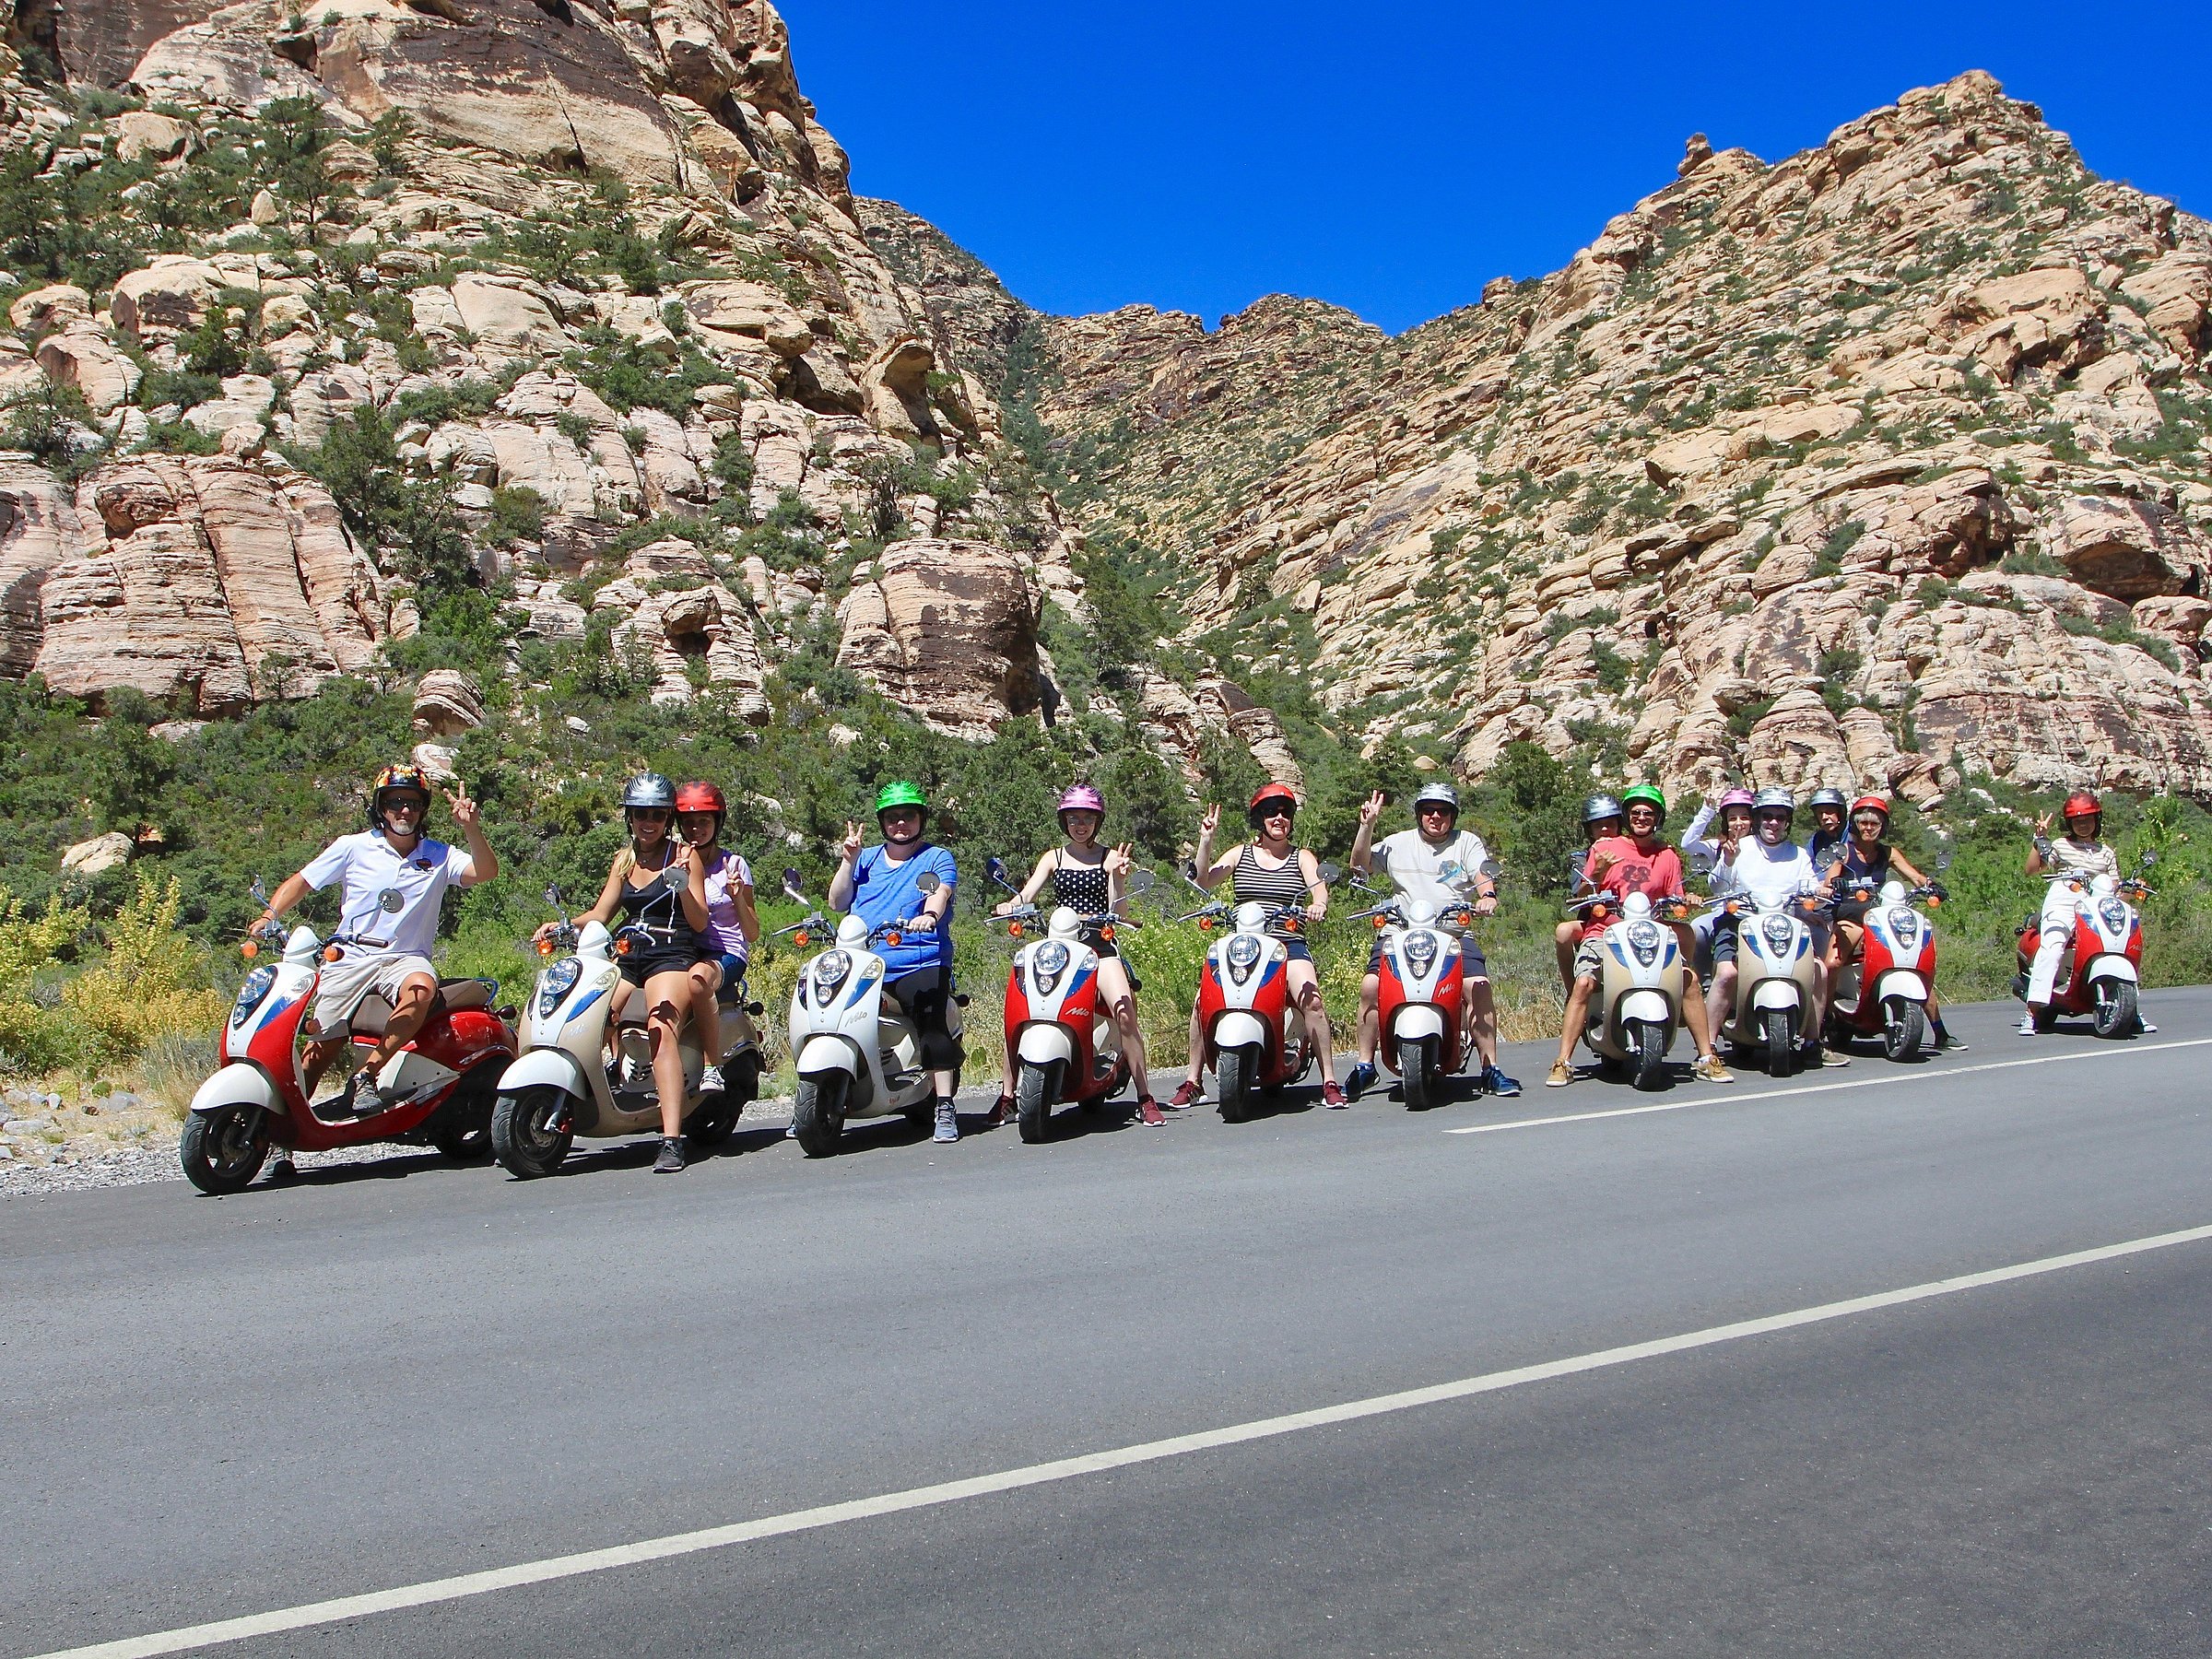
(925, 923)
(1486, 905)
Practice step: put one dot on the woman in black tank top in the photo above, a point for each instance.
(1269, 870)
(1087, 877)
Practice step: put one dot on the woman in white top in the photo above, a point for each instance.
(2080, 853)
(731, 925)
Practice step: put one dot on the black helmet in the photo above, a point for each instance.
(1826, 798)
(648, 790)
(1438, 793)
(1599, 807)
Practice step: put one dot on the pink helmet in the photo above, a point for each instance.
(1737, 797)
(1081, 797)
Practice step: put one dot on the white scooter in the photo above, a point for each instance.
(856, 1051)
(1638, 1007)
(1775, 967)
(564, 1084)
(1420, 986)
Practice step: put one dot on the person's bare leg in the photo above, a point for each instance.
(1693, 1014)
(1480, 1007)
(706, 1008)
(1305, 989)
(665, 994)
(1114, 985)
(1564, 939)
(410, 1010)
(1369, 1030)
(1578, 1012)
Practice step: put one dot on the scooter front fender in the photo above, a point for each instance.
(827, 1052)
(237, 1084)
(1909, 987)
(1650, 1006)
(1044, 1043)
(1420, 1021)
(1776, 993)
(2113, 967)
(545, 1068)
(1238, 1027)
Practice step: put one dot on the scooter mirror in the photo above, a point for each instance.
(1141, 881)
(927, 882)
(552, 895)
(995, 867)
(1699, 865)
(2150, 858)
(1329, 872)
(261, 893)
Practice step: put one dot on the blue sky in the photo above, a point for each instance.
(1392, 158)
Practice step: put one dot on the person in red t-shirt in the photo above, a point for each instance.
(1637, 862)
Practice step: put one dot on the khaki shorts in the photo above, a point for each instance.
(357, 974)
(1589, 957)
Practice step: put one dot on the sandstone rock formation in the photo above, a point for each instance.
(948, 629)
(1844, 469)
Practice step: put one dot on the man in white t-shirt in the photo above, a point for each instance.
(392, 880)
(1435, 862)
(1772, 870)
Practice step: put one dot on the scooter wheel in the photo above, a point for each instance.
(522, 1134)
(2114, 1015)
(222, 1151)
(817, 1113)
(1781, 1043)
(1904, 1029)
(1648, 1045)
(1033, 1092)
(1233, 1076)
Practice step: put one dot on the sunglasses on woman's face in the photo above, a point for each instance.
(1267, 812)
(650, 815)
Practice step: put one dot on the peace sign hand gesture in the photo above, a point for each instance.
(465, 811)
(1372, 809)
(1120, 859)
(2043, 824)
(1211, 821)
(854, 838)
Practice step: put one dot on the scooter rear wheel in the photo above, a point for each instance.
(222, 1151)
(1232, 1072)
(1904, 1029)
(524, 1136)
(817, 1113)
(1033, 1092)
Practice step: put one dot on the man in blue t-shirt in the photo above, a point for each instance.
(880, 884)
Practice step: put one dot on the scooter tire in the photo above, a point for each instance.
(222, 1151)
(522, 1136)
(1232, 1075)
(465, 1134)
(466, 1145)
(817, 1113)
(2115, 1013)
(1781, 1043)
(1417, 1074)
(1033, 1092)
(1904, 1029)
(1647, 1043)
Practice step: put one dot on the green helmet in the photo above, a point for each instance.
(900, 793)
(1647, 794)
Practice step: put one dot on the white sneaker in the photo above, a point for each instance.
(709, 1080)
(2026, 1026)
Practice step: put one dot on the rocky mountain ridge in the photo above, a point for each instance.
(1884, 462)
(1881, 463)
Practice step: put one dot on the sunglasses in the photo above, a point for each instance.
(650, 815)
(1642, 815)
(1433, 810)
(405, 804)
(1275, 812)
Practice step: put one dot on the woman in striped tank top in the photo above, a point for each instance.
(1268, 870)
(1087, 876)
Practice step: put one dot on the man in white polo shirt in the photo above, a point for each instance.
(393, 880)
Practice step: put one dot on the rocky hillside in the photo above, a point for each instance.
(319, 322)
(1877, 463)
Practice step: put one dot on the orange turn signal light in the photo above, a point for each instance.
(545, 947)
(1206, 924)
(1380, 922)
(893, 938)
(1106, 934)
(623, 946)
(1466, 918)
(1014, 930)
(799, 937)
(249, 949)
(331, 953)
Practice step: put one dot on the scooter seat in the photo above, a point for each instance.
(460, 993)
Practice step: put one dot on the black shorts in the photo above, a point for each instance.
(924, 994)
(641, 963)
(1854, 910)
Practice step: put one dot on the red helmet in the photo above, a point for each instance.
(1870, 803)
(2082, 804)
(1271, 792)
(703, 797)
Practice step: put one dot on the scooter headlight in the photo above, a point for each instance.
(1047, 964)
(1643, 939)
(829, 970)
(2114, 915)
(1242, 954)
(559, 981)
(251, 994)
(1905, 925)
(1777, 931)
(1421, 952)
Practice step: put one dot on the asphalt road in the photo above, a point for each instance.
(383, 1376)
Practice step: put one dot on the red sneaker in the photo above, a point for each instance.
(1332, 1094)
(1185, 1096)
(1148, 1109)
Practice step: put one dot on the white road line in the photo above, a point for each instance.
(432, 1591)
(1724, 1096)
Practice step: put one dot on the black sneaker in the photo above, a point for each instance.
(1359, 1080)
(671, 1160)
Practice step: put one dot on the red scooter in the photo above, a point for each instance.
(1255, 1038)
(446, 1079)
(2100, 975)
(1883, 991)
(1421, 985)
